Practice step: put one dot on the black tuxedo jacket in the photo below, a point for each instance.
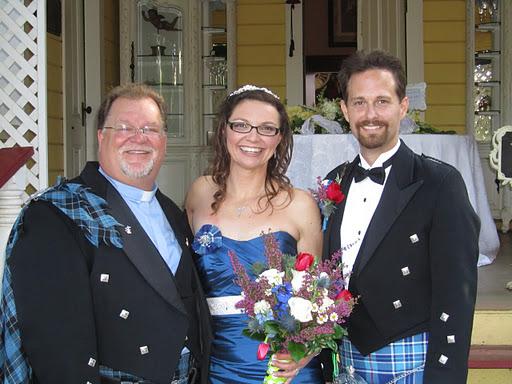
(70, 296)
(417, 263)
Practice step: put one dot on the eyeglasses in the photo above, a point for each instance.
(126, 130)
(264, 129)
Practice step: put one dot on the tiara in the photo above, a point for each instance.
(249, 87)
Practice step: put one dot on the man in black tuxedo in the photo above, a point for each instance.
(409, 238)
(100, 285)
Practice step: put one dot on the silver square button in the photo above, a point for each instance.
(144, 350)
(124, 314)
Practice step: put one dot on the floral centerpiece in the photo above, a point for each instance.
(296, 304)
(324, 117)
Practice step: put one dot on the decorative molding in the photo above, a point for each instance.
(192, 89)
(231, 41)
(382, 26)
(470, 67)
(414, 42)
(126, 25)
(497, 155)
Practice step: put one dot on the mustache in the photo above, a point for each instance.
(372, 122)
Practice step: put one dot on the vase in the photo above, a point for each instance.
(270, 378)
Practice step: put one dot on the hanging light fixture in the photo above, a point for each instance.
(292, 43)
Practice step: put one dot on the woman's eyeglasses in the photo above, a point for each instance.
(244, 127)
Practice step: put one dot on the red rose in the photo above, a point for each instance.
(262, 350)
(344, 295)
(334, 193)
(304, 261)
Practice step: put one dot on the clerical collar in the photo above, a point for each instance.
(130, 192)
(381, 159)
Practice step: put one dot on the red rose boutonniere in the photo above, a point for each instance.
(333, 193)
(327, 195)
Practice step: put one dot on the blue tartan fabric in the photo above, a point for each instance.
(400, 362)
(180, 375)
(89, 212)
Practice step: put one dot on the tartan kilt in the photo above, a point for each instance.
(400, 362)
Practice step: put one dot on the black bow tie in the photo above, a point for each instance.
(377, 174)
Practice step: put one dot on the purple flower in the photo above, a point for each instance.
(283, 293)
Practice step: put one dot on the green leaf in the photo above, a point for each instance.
(254, 335)
(297, 350)
(259, 267)
(271, 327)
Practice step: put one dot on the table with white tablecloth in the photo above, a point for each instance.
(316, 155)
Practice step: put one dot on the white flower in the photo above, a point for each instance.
(333, 317)
(321, 319)
(330, 109)
(273, 276)
(315, 307)
(297, 280)
(262, 307)
(326, 303)
(268, 292)
(300, 309)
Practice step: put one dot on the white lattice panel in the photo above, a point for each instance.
(23, 82)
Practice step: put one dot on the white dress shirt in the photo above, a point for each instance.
(362, 200)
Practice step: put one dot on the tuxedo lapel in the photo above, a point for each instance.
(398, 191)
(142, 253)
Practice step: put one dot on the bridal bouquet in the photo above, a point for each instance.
(295, 304)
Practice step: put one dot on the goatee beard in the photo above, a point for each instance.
(136, 172)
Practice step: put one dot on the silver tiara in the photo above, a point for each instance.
(250, 87)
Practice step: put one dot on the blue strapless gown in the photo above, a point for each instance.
(233, 358)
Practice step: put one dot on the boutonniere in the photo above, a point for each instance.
(328, 194)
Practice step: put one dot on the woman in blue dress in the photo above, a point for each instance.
(246, 194)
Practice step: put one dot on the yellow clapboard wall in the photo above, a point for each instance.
(55, 107)
(261, 47)
(444, 34)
